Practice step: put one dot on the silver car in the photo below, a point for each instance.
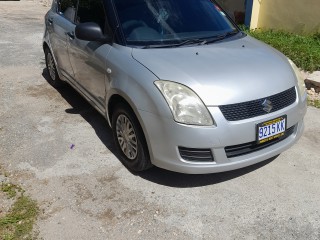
(180, 85)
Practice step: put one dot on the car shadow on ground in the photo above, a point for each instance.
(157, 175)
(180, 180)
(81, 107)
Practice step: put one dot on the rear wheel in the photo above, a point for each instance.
(54, 79)
(129, 139)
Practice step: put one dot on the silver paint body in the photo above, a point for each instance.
(221, 73)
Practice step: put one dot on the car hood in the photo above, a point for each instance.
(222, 73)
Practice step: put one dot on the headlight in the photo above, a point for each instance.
(185, 105)
(301, 84)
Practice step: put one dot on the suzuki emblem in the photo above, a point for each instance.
(267, 105)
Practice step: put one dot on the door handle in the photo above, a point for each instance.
(50, 21)
(71, 35)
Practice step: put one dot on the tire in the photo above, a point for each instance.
(129, 139)
(53, 79)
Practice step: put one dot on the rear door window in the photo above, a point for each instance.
(68, 9)
(91, 11)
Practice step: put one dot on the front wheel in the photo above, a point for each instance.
(129, 139)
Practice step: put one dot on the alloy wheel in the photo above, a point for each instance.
(51, 66)
(126, 137)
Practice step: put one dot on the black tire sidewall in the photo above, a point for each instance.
(142, 160)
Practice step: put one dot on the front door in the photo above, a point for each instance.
(88, 59)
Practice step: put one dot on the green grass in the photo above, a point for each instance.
(18, 222)
(10, 189)
(303, 50)
(314, 103)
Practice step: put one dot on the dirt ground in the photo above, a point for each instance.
(86, 193)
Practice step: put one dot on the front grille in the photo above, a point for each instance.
(196, 154)
(245, 110)
(246, 148)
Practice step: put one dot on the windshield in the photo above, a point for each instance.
(147, 22)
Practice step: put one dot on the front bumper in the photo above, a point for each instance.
(164, 136)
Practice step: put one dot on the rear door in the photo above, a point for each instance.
(88, 59)
(60, 23)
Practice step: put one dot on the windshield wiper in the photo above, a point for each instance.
(159, 46)
(221, 37)
(191, 41)
(196, 41)
(183, 43)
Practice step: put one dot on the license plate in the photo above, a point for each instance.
(271, 129)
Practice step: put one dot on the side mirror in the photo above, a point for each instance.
(91, 31)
